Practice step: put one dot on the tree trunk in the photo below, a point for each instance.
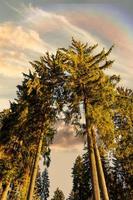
(94, 176)
(29, 175)
(35, 169)
(101, 176)
(25, 185)
(0, 184)
(5, 191)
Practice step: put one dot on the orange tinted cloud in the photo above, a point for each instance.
(19, 37)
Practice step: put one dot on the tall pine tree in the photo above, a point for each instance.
(87, 84)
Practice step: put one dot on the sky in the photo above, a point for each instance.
(29, 28)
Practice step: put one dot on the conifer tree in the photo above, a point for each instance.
(82, 188)
(116, 179)
(42, 185)
(46, 84)
(87, 84)
(28, 114)
(45, 185)
(29, 126)
(58, 195)
(124, 129)
(12, 162)
(87, 176)
(78, 181)
(38, 187)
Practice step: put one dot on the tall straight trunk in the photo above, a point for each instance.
(29, 175)
(94, 176)
(101, 176)
(0, 184)
(25, 185)
(5, 191)
(35, 169)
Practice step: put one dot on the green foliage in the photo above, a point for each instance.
(78, 181)
(42, 185)
(29, 116)
(82, 188)
(58, 195)
(86, 81)
(45, 185)
(124, 128)
(119, 182)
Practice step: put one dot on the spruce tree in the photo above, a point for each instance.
(25, 132)
(45, 185)
(87, 84)
(82, 188)
(87, 177)
(58, 195)
(116, 179)
(38, 187)
(124, 129)
(42, 185)
(78, 181)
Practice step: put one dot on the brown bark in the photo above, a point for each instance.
(101, 176)
(29, 174)
(35, 169)
(94, 176)
(5, 191)
(0, 184)
(25, 184)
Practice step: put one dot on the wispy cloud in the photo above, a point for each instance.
(52, 23)
(19, 37)
(13, 8)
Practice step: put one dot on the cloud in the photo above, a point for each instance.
(65, 138)
(7, 90)
(18, 45)
(51, 24)
(19, 37)
(8, 86)
(4, 103)
(13, 62)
